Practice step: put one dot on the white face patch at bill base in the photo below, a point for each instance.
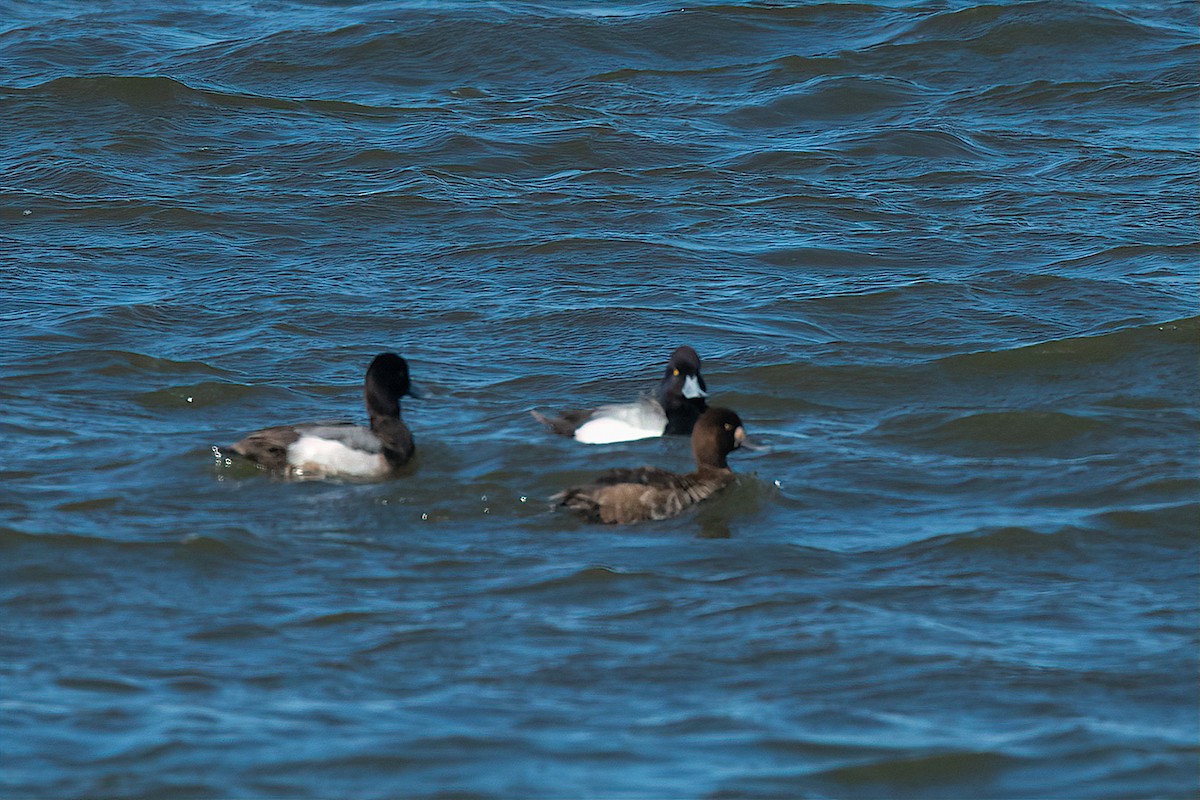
(691, 388)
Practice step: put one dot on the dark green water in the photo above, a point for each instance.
(941, 257)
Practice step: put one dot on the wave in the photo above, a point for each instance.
(963, 768)
(1169, 526)
(911, 142)
(987, 433)
(1074, 351)
(201, 395)
(1041, 94)
(148, 92)
(101, 685)
(116, 363)
(1184, 255)
(237, 545)
(828, 98)
(589, 579)
(1000, 28)
(1003, 542)
(235, 630)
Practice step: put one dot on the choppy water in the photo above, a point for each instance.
(940, 256)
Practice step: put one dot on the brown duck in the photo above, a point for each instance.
(645, 493)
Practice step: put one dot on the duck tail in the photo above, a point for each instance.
(564, 424)
(579, 501)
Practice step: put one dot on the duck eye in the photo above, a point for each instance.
(674, 372)
(728, 426)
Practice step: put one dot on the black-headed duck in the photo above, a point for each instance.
(674, 412)
(320, 449)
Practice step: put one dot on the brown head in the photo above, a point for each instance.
(718, 433)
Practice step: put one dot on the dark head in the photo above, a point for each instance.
(682, 390)
(387, 381)
(718, 433)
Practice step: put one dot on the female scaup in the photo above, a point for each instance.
(646, 493)
(324, 449)
(679, 404)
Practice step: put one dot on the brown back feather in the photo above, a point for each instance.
(268, 447)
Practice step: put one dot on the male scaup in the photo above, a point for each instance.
(647, 493)
(679, 404)
(325, 449)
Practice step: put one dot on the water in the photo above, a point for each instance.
(940, 256)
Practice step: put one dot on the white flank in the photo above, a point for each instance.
(313, 456)
(623, 423)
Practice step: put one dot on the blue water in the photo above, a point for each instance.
(941, 257)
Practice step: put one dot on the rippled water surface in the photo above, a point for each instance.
(940, 256)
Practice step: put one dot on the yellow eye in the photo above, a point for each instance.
(728, 426)
(675, 372)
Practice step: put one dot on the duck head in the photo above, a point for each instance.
(718, 433)
(387, 381)
(683, 379)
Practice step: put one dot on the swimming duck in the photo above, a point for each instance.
(674, 412)
(646, 493)
(325, 449)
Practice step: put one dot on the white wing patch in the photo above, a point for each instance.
(313, 456)
(623, 423)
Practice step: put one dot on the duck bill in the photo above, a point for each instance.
(742, 443)
(691, 388)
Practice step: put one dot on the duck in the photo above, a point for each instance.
(623, 496)
(680, 402)
(343, 449)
